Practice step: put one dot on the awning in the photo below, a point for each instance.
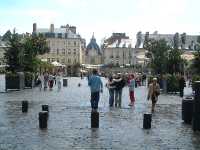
(57, 64)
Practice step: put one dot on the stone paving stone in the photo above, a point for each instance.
(69, 121)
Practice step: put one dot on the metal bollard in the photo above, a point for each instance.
(147, 121)
(65, 82)
(94, 120)
(24, 106)
(43, 117)
(187, 109)
(196, 116)
(45, 108)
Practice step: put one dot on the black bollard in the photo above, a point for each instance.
(196, 115)
(43, 117)
(187, 109)
(147, 121)
(24, 106)
(64, 82)
(45, 108)
(94, 119)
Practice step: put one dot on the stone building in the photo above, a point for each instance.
(93, 54)
(118, 50)
(184, 41)
(66, 46)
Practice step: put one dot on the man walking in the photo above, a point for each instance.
(96, 86)
(182, 84)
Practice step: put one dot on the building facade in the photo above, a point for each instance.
(118, 50)
(184, 41)
(93, 53)
(66, 46)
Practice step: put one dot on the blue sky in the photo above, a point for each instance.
(102, 16)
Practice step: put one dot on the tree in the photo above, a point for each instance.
(7, 36)
(158, 55)
(176, 41)
(175, 62)
(33, 46)
(196, 61)
(14, 54)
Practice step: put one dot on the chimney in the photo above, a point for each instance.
(52, 28)
(73, 29)
(34, 27)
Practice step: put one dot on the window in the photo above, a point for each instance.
(63, 60)
(58, 60)
(74, 51)
(57, 51)
(53, 59)
(74, 43)
(69, 51)
(63, 51)
(69, 60)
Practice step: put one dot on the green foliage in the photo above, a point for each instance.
(14, 54)
(21, 54)
(7, 36)
(164, 59)
(195, 78)
(175, 62)
(28, 79)
(196, 62)
(172, 83)
(39, 44)
(157, 54)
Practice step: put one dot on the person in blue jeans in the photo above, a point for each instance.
(96, 86)
(111, 88)
(119, 83)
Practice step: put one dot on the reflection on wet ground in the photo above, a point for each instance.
(69, 122)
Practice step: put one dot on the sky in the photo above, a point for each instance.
(103, 17)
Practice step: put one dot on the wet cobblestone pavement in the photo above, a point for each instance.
(69, 122)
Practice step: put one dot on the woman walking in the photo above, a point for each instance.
(154, 92)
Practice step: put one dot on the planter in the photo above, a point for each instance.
(29, 79)
(14, 81)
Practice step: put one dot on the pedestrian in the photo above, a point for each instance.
(111, 89)
(96, 86)
(131, 86)
(58, 80)
(119, 84)
(153, 93)
(39, 81)
(51, 81)
(46, 79)
(182, 84)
